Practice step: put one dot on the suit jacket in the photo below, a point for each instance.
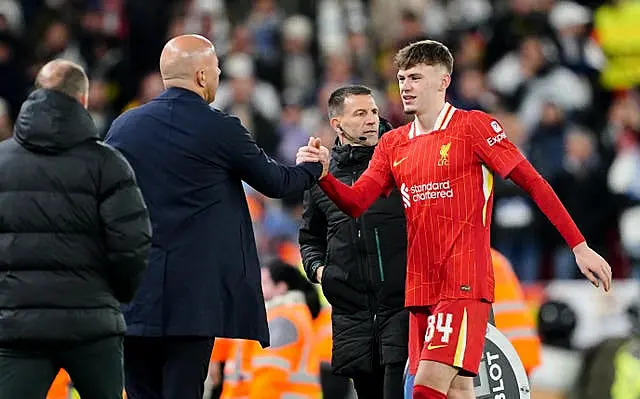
(190, 160)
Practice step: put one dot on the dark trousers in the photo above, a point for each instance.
(385, 382)
(334, 386)
(28, 369)
(166, 367)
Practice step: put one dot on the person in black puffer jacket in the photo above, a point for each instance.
(361, 263)
(74, 240)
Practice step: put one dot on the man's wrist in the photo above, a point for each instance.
(579, 247)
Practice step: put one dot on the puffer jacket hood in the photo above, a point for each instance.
(52, 122)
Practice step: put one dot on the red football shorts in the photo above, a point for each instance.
(451, 332)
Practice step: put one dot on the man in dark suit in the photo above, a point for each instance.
(203, 279)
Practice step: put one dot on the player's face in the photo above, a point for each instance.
(360, 119)
(421, 86)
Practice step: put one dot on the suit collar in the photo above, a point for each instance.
(176, 92)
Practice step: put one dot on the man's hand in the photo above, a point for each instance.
(319, 272)
(314, 152)
(593, 266)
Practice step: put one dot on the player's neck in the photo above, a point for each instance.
(427, 118)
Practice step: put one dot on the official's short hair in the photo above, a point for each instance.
(428, 52)
(336, 99)
(71, 80)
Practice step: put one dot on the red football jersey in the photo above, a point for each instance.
(445, 177)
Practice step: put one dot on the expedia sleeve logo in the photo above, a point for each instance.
(496, 139)
(495, 126)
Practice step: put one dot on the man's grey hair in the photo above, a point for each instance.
(65, 76)
(336, 99)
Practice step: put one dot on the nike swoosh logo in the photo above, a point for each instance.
(398, 162)
(431, 347)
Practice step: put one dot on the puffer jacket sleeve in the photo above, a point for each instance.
(126, 227)
(312, 236)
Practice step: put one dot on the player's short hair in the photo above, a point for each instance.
(71, 80)
(336, 99)
(428, 52)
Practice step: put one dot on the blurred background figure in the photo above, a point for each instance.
(613, 363)
(513, 318)
(560, 361)
(149, 88)
(290, 366)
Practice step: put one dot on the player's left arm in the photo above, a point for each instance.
(496, 151)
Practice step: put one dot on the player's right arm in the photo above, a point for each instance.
(376, 180)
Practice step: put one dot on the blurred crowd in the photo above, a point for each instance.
(562, 76)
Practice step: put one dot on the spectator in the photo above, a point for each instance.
(255, 102)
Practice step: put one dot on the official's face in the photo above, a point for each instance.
(360, 118)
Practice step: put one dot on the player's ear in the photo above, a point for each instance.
(445, 81)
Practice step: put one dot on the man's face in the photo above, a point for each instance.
(421, 85)
(210, 76)
(359, 119)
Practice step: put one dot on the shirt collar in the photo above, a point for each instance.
(441, 123)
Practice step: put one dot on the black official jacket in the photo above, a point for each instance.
(365, 268)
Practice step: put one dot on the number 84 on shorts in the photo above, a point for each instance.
(442, 326)
(451, 332)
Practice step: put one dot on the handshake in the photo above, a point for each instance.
(314, 152)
